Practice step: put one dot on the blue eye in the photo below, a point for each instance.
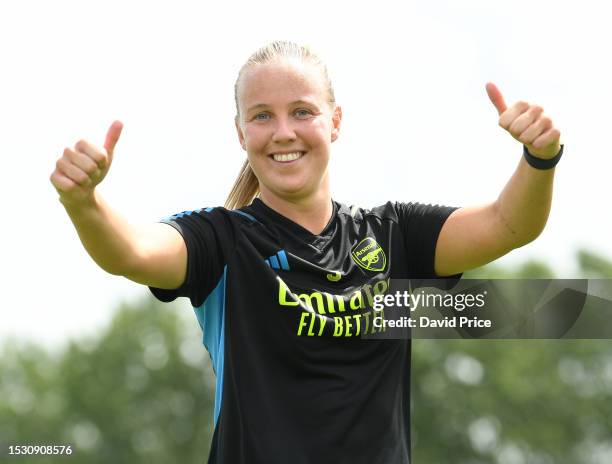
(299, 113)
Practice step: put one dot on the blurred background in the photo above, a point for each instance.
(91, 359)
(142, 390)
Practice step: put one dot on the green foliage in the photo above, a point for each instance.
(593, 265)
(142, 391)
(533, 269)
(523, 401)
(544, 401)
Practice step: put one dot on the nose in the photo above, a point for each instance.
(283, 131)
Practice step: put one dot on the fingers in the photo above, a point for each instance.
(496, 97)
(84, 166)
(536, 128)
(83, 161)
(547, 139)
(62, 183)
(508, 117)
(73, 172)
(112, 137)
(69, 191)
(97, 155)
(528, 124)
(525, 122)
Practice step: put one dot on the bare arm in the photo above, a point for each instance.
(153, 254)
(472, 237)
(475, 236)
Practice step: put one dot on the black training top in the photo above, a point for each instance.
(287, 320)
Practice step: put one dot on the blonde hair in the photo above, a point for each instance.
(246, 186)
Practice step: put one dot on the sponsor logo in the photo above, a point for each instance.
(330, 303)
(369, 255)
(278, 261)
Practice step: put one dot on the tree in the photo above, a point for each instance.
(141, 391)
(507, 401)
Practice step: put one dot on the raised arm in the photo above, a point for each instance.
(475, 236)
(153, 254)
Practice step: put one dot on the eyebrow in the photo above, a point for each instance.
(263, 105)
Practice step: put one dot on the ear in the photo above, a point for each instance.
(240, 133)
(336, 120)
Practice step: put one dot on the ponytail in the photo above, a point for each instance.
(246, 187)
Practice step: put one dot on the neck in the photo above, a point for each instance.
(313, 213)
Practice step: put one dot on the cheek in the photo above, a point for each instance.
(253, 134)
(321, 129)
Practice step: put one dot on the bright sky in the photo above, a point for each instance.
(410, 76)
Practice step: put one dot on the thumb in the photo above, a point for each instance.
(496, 97)
(112, 137)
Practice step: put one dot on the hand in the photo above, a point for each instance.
(527, 124)
(83, 167)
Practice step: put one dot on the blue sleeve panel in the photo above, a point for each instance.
(211, 317)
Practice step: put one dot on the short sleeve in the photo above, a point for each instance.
(206, 237)
(421, 225)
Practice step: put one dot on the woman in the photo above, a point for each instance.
(282, 279)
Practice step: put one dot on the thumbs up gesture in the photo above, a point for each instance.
(527, 124)
(82, 167)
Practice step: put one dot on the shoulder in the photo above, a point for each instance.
(385, 212)
(406, 214)
(215, 212)
(217, 220)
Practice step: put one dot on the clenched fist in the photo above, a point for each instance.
(528, 124)
(83, 167)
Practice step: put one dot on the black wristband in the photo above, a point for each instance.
(540, 163)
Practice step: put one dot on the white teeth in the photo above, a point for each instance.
(287, 156)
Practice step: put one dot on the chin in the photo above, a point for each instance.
(291, 191)
(290, 186)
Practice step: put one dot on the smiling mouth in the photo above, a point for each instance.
(287, 157)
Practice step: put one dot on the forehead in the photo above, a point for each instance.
(281, 82)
